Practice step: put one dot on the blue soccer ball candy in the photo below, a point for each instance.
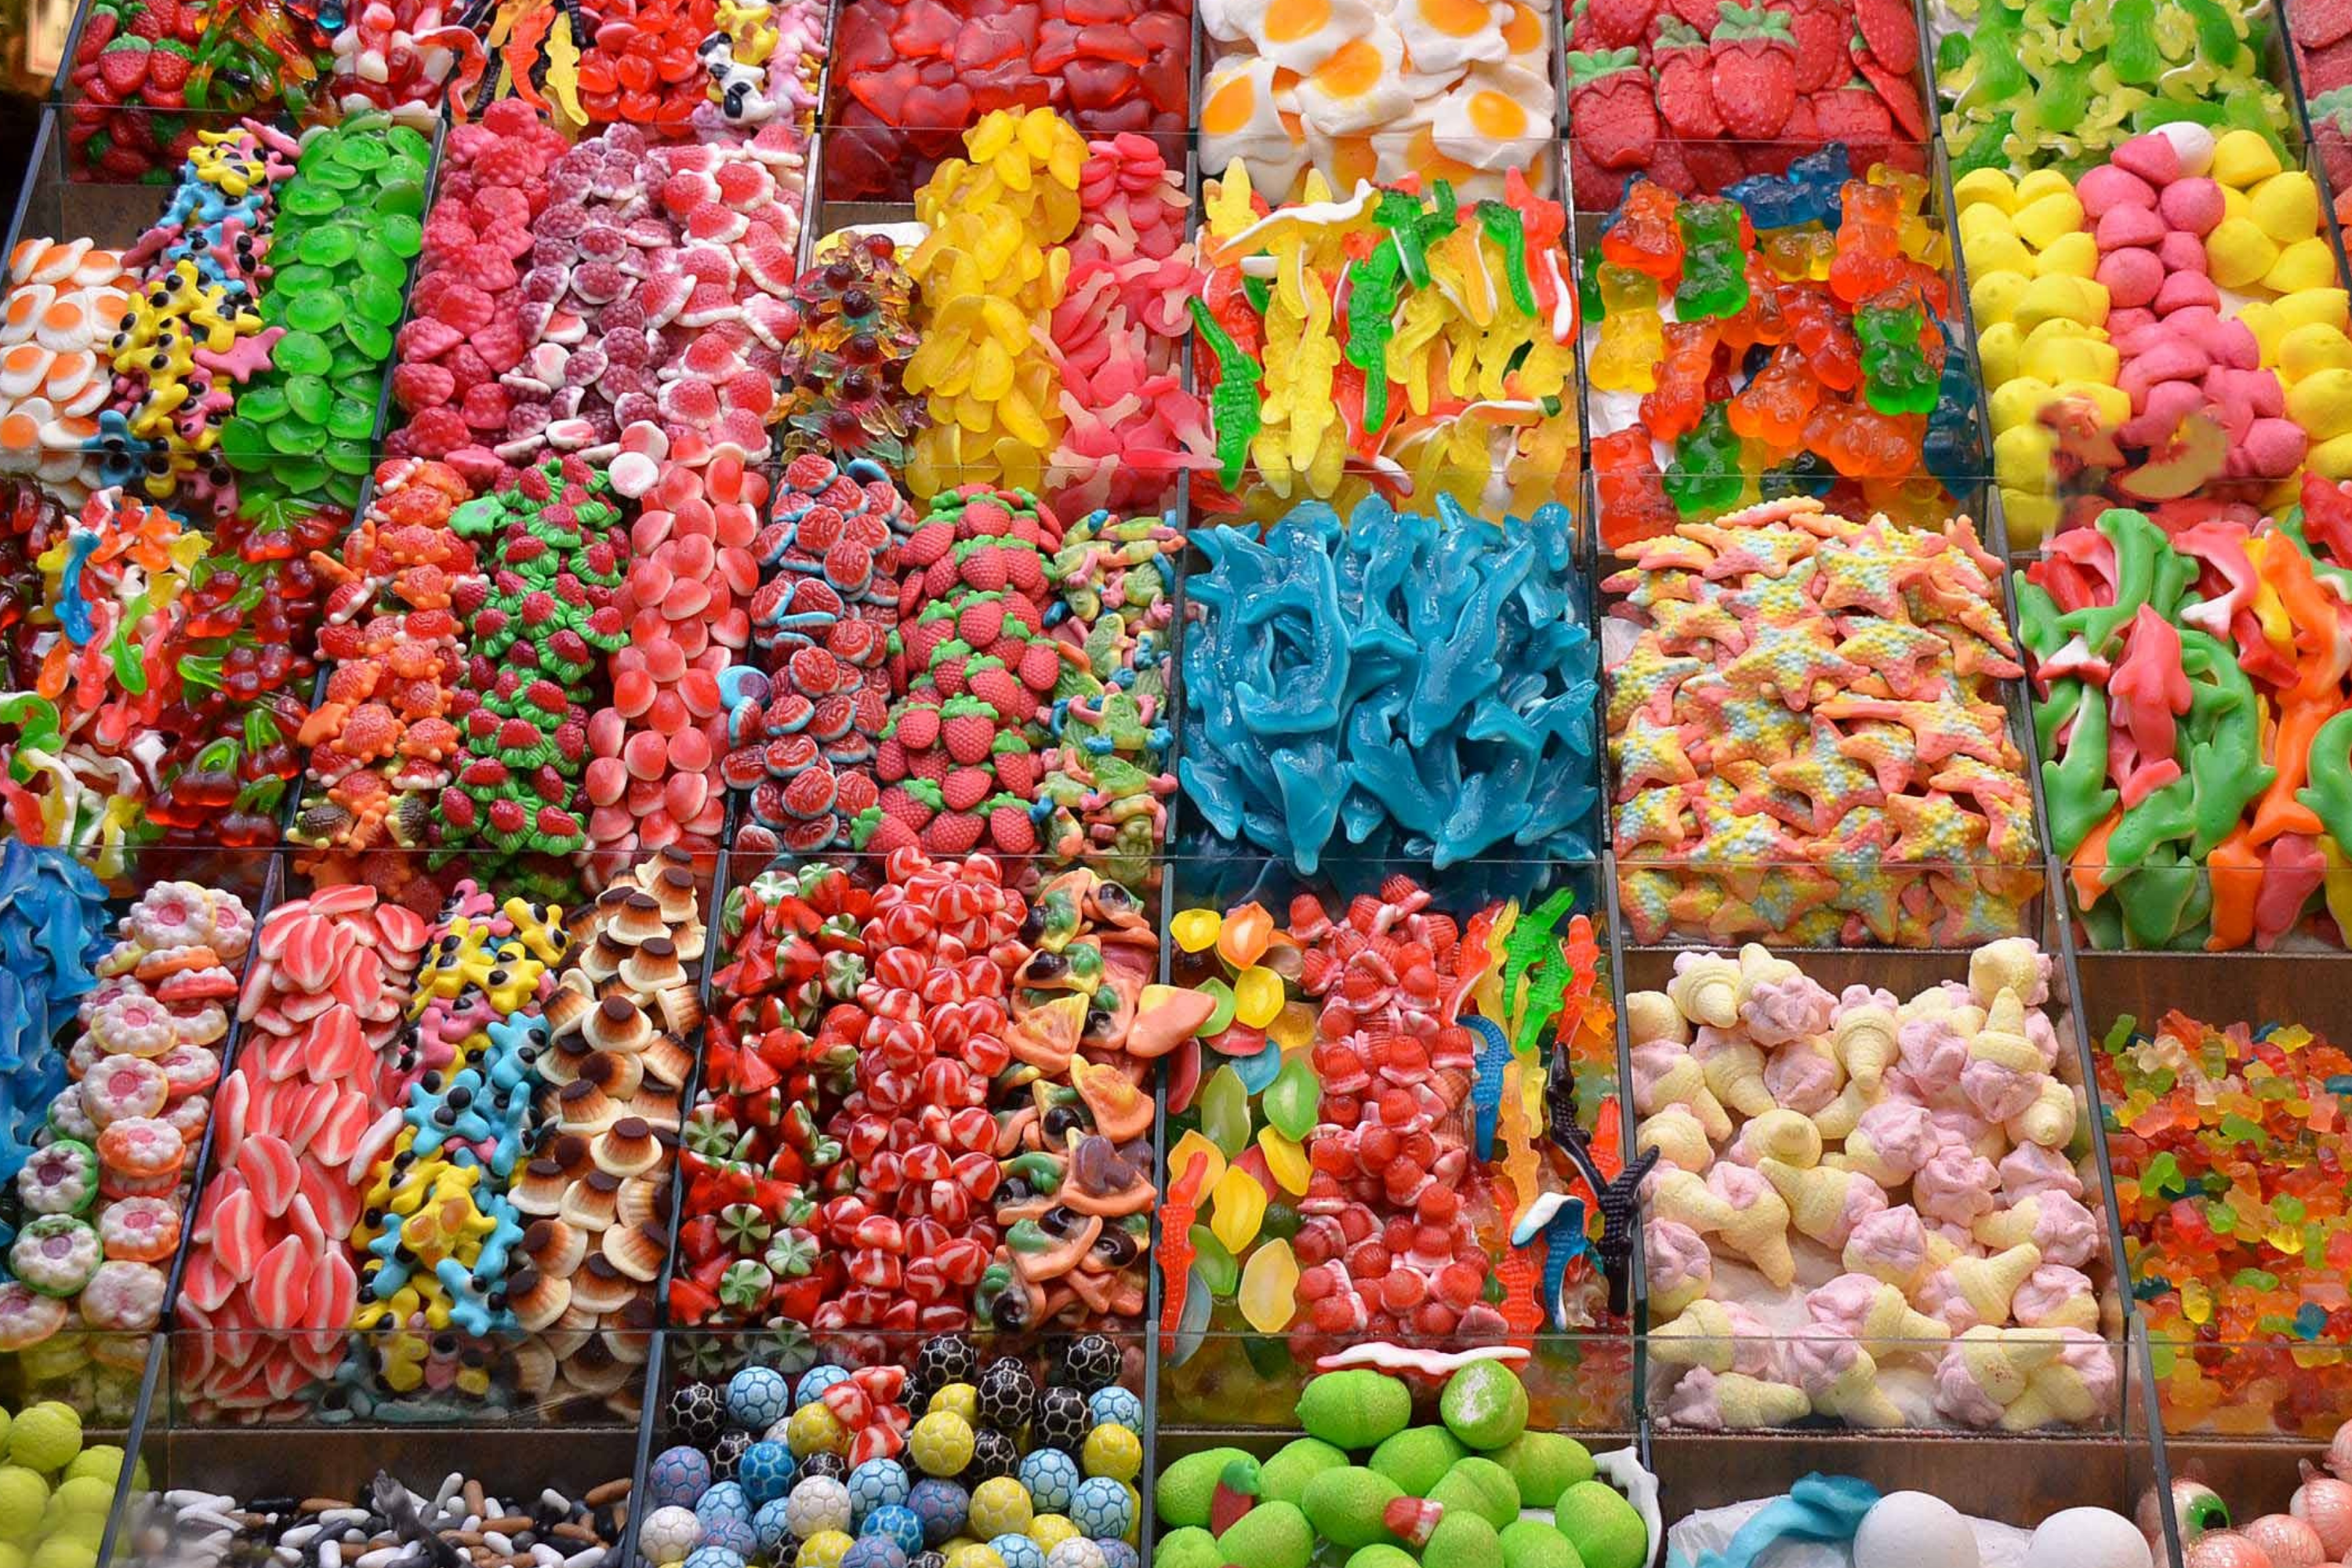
(757, 1398)
(1052, 1478)
(815, 1381)
(894, 1521)
(1116, 1406)
(1018, 1550)
(679, 1476)
(764, 1472)
(773, 1525)
(942, 1505)
(873, 1551)
(1100, 1507)
(878, 1483)
(714, 1557)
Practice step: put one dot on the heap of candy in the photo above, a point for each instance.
(1366, 1148)
(140, 65)
(1805, 353)
(66, 1497)
(614, 1073)
(537, 617)
(641, 66)
(1921, 1145)
(842, 390)
(1479, 1485)
(2189, 695)
(1036, 1468)
(2171, 324)
(83, 757)
(401, 56)
(1809, 735)
(60, 303)
(923, 1108)
(439, 1231)
(910, 77)
(2322, 36)
(981, 675)
(469, 313)
(383, 740)
(191, 334)
(94, 1213)
(52, 934)
(302, 1120)
(454, 1523)
(2230, 1151)
(1447, 360)
(1439, 89)
(1695, 93)
(1057, 370)
(1421, 685)
(652, 776)
(2042, 85)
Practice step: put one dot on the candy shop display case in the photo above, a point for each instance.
(1775, 1283)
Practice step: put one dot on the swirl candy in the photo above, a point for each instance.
(1816, 695)
(1920, 1147)
(1469, 728)
(2229, 1152)
(96, 1211)
(53, 382)
(2036, 86)
(1442, 368)
(2189, 696)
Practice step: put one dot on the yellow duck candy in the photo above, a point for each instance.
(1633, 334)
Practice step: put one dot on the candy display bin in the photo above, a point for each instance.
(1305, 1216)
(2048, 1255)
(292, 1472)
(941, 1422)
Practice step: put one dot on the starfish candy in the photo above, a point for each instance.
(1830, 782)
(1799, 662)
(1933, 828)
(1649, 752)
(1898, 653)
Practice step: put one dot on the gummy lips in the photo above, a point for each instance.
(1808, 741)
(1352, 682)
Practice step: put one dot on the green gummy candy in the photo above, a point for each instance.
(302, 353)
(1382, 1555)
(1485, 1405)
(1531, 1543)
(329, 245)
(375, 299)
(1354, 1409)
(320, 313)
(1545, 1464)
(1271, 1535)
(303, 199)
(1283, 1478)
(1191, 1547)
(1416, 1457)
(264, 405)
(403, 234)
(1219, 1267)
(1187, 1487)
(310, 398)
(1479, 1486)
(350, 420)
(1462, 1541)
(293, 438)
(1345, 1505)
(1602, 1526)
(362, 152)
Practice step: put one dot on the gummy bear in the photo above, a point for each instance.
(1706, 473)
(1633, 336)
(1897, 375)
(1714, 277)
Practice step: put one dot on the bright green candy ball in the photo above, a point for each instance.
(1531, 1543)
(1283, 1478)
(24, 1495)
(1344, 1505)
(1354, 1409)
(65, 1552)
(1545, 1464)
(1479, 1486)
(101, 1461)
(1415, 1458)
(1186, 1487)
(46, 1437)
(1484, 1404)
(1383, 1555)
(1189, 1547)
(1462, 1541)
(1605, 1530)
(1271, 1535)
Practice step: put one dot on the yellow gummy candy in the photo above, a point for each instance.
(1287, 1160)
(1190, 1147)
(1293, 1028)
(1196, 930)
(1269, 1292)
(1238, 1208)
(1257, 996)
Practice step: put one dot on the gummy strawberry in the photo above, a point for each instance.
(1610, 111)
(124, 65)
(967, 728)
(1010, 828)
(1754, 70)
(1680, 59)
